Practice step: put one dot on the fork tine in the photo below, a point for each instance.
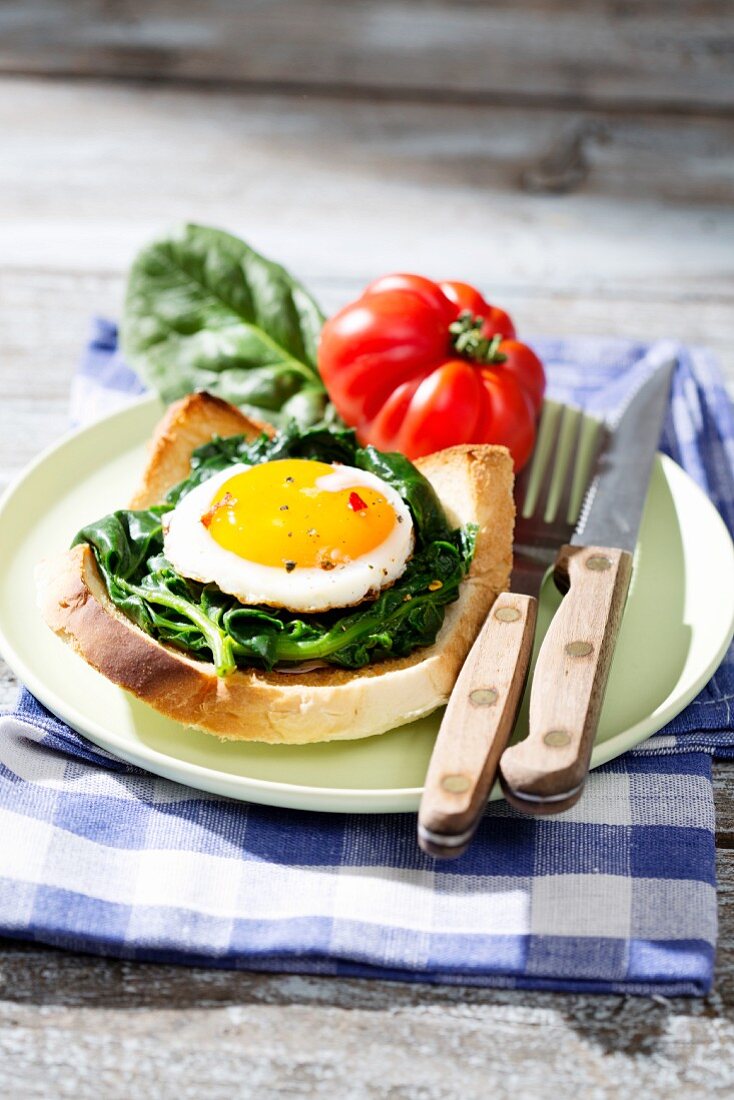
(527, 483)
(543, 497)
(566, 493)
(522, 481)
(550, 490)
(594, 435)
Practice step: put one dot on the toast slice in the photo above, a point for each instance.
(188, 423)
(474, 484)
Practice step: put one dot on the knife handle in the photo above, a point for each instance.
(546, 772)
(477, 724)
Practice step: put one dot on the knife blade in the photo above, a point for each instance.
(612, 510)
(546, 772)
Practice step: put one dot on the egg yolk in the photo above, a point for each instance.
(277, 514)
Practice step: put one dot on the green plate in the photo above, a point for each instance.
(676, 628)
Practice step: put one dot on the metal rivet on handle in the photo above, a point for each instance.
(483, 697)
(598, 563)
(455, 783)
(579, 649)
(507, 614)
(557, 738)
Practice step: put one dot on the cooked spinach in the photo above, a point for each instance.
(203, 310)
(204, 622)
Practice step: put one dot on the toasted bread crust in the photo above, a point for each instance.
(188, 423)
(475, 485)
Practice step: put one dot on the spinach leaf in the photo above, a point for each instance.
(205, 622)
(412, 486)
(122, 544)
(203, 310)
(322, 444)
(408, 615)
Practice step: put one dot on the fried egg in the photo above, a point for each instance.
(293, 533)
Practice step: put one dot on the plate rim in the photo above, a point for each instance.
(295, 795)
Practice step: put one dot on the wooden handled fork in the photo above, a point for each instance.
(483, 707)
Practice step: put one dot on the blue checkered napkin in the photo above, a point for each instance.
(617, 894)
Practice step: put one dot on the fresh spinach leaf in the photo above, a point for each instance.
(203, 310)
(412, 486)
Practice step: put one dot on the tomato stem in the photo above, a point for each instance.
(467, 338)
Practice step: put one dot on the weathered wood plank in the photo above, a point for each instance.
(334, 189)
(341, 189)
(118, 1029)
(724, 793)
(596, 53)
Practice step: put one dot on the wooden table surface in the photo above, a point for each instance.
(608, 213)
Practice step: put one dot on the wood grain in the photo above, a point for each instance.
(545, 773)
(344, 190)
(341, 192)
(477, 723)
(567, 51)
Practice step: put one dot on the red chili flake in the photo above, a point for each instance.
(225, 502)
(356, 503)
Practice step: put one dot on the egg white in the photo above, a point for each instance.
(194, 554)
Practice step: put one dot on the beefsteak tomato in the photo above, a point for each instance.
(416, 366)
